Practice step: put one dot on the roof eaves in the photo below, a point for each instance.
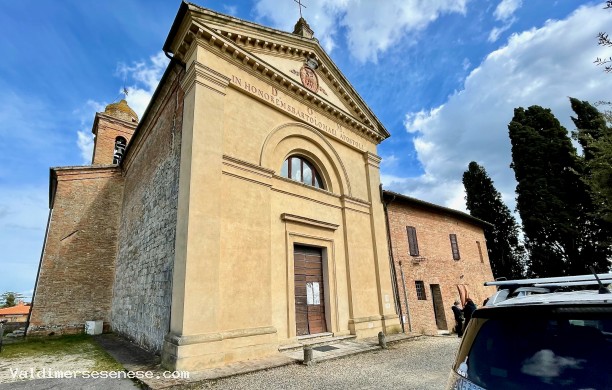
(437, 207)
(187, 6)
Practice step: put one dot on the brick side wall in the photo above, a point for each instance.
(143, 281)
(435, 264)
(77, 269)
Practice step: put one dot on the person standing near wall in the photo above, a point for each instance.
(458, 318)
(468, 309)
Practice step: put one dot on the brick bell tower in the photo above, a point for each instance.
(113, 129)
(77, 267)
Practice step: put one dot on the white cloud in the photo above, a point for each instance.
(230, 9)
(85, 142)
(390, 161)
(145, 76)
(368, 26)
(497, 31)
(532, 69)
(22, 230)
(505, 13)
(506, 8)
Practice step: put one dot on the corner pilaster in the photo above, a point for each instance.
(195, 291)
(390, 319)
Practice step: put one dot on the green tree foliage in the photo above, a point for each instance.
(506, 254)
(554, 203)
(604, 40)
(10, 299)
(594, 133)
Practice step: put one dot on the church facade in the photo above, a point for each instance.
(241, 213)
(245, 211)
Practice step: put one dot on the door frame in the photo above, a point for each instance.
(316, 251)
(442, 313)
(328, 258)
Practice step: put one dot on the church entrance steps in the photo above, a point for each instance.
(314, 340)
(134, 358)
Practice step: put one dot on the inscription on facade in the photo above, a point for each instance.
(296, 109)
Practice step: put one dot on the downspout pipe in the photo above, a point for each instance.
(396, 297)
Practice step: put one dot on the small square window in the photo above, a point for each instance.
(420, 290)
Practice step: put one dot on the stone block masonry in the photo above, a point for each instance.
(145, 257)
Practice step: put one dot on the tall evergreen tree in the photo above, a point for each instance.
(506, 254)
(551, 198)
(595, 136)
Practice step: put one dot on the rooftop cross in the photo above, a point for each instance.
(299, 2)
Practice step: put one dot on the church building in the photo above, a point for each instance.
(242, 212)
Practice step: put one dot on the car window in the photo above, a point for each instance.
(540, 353)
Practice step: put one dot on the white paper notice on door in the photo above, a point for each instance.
(313, 296)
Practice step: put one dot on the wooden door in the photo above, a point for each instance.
(309, 291)
(438, 306)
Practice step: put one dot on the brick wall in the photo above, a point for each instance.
(435, 264)
(143, 281)
(77, 269)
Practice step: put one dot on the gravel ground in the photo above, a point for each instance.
(423, 363)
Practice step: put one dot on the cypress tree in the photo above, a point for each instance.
(551, 197)
(506, 253)
(595, 137)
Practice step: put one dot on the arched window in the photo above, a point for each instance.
(299, 169)
(120, 144)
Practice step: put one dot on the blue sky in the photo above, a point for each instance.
(443, 77)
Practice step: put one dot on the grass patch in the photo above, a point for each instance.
(62, 346)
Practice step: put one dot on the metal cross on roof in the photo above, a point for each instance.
(299, 2)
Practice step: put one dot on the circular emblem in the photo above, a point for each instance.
(309, 79)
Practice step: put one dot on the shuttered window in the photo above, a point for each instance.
(480, 251)
(454, 246)
(413, 244)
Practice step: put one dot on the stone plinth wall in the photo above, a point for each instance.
(143, 281)
(434, 264)
(78, 265)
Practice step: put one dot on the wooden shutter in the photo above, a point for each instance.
(413, 244)
(454, 246)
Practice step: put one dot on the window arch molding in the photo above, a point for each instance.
(298, 138)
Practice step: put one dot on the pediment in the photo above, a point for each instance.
(281, 53)
(325, 89)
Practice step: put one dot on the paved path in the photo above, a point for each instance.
(423, 363)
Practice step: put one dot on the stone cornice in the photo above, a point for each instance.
(112, 119)
(204, 76)
(372, 159)
(234, 53)
(308, 221)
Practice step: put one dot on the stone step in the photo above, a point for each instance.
(315, 341)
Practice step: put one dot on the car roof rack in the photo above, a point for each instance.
(511, 288)
(578, 280)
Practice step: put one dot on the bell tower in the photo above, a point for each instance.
(113, 130)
